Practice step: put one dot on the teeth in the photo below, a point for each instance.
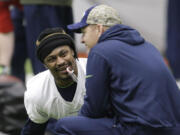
(62, 68)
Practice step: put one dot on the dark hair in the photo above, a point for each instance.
(51, 38)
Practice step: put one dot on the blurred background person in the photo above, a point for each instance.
(173, 37)
(6, 37)
(20, 47)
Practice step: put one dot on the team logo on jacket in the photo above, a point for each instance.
(89, 76)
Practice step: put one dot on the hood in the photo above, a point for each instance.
(123, 33)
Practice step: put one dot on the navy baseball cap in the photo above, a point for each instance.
(97, 14)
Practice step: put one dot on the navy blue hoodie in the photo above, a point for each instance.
(127, 78)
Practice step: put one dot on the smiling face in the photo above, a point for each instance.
(57, 62)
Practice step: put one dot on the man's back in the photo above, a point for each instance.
(142, 88)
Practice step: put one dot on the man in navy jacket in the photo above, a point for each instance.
(130, 90)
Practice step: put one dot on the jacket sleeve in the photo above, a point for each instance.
(32, 128)
(96, 102)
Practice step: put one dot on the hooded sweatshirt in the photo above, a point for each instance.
(128, 79)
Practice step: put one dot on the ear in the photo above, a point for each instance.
(101, 30)
(45, 65)
(72, 52)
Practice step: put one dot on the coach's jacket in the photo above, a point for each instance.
(127, 76)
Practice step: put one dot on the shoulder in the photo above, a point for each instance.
(105, 46)
(39, 78)
(37, 84)
(100, 50)
(104, 50)
(36, 96)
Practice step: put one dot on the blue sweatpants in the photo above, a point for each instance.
(80, 125)
(40, 17)
(86, 126)
(173, 37)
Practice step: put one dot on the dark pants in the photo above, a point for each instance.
(173, 37)
(20, 49)
(38, 18)
(104, 126)
(85, 126)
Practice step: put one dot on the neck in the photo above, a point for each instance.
(64, 83)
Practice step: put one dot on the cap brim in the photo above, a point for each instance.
(76, 27)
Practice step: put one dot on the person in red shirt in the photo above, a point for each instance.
(6, 34)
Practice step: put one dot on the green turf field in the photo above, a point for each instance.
(28, 67)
